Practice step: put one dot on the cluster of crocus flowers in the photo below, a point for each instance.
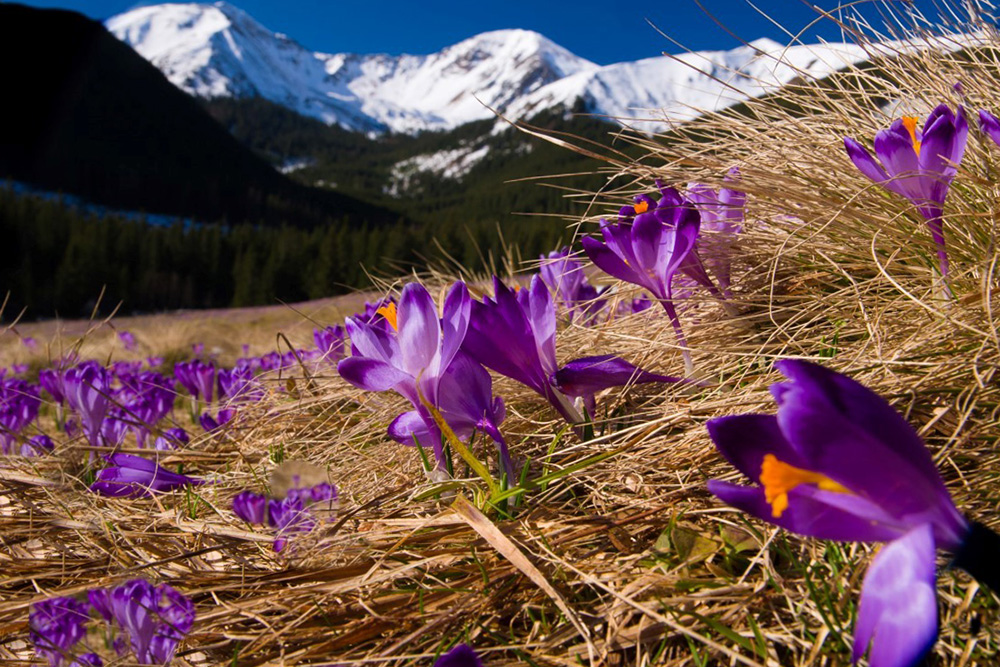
(918, 164)
(151, 620)
(295, 513)
(648, 245)
(19, 405)
(837, 462)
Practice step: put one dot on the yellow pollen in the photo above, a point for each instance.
(779, 478)
(910, 123)
(389, 313)
(641, 207)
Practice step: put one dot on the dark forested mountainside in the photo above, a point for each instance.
(57, 258)
(94, 119)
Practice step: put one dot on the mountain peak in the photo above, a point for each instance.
(213, 50)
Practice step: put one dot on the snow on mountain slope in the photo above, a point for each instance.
(218, 50)
(653, 93)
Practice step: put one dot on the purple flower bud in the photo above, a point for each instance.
(51, 381)
(130, 475)
(251, 507)
(197, 377)
(88, 391)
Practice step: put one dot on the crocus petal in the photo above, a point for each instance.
(542, 317)
(419, 328)
(898, 608)
(588, 375)
(407, 426)
(372, 374)
(990, 124)
(372, 341)
(609, 262)
(865, 163)
(454, 323)
(745, 439)
(805, 514)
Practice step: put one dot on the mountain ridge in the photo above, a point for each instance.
(218, 50)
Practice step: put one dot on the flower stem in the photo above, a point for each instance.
(979, 555)
(668, 305)
(936, 225)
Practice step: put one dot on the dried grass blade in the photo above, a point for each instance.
(506, 548)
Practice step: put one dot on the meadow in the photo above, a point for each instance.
(576, 522)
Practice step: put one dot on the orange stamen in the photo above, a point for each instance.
(779, 478)
(641, 207)
(389, 313)
(910, 123)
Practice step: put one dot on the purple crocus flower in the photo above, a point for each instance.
(564, 276)
(172, 438)
(837, 462)
(466, 403)
(411, 357)
(29, 342)
(251, 507)
(88, 392)
(515, 335)
(990, 125)
(646, 247)
(238, 384)
(918, 165)
(210, 423)
(330, 343)
(56, 625)
(87, 660)
(130, 475)
(288, 516)
(127, 339)
(461, 655)
(51, 381)
(156, 618)
(198, 377)
(19, 405)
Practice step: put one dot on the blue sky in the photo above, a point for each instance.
(589, 28)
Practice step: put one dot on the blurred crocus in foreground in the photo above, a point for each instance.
(130, 475)
(919, 165)
(838, 463)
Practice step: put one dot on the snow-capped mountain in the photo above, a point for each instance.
(212, 50)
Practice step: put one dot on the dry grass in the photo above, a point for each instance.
(642, 565)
